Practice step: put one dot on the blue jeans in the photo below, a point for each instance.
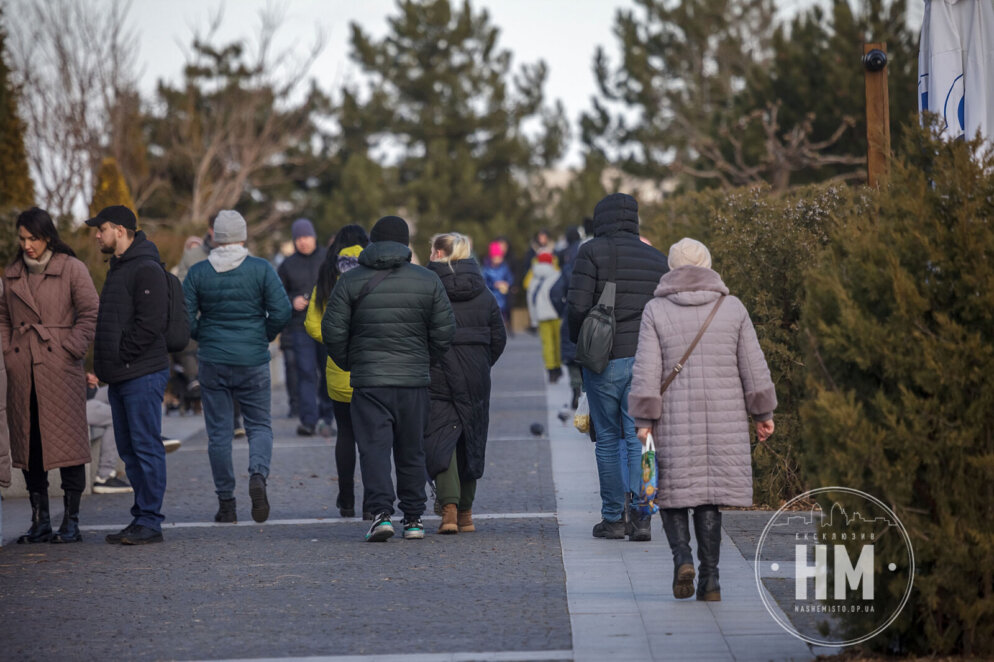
(220, 387)
(311, 357)
(618, 450)
(136, 407)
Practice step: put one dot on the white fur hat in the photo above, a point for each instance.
(689, 252)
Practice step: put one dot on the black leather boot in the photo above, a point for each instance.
(677, 527)
(639, 527)
(69, 531)
(707, 527)
(227, 513)
(41, 523)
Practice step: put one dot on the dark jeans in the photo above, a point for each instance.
(136, 405)
(290, 374)
(391, 420)
(311, 357)
(221, 386)
(345, 448)
(35, 476)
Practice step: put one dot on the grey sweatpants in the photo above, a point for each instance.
(101, 423)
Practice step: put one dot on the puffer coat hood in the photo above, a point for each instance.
(701, 422)
(461, 279)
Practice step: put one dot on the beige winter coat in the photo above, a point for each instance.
(701, 423)
(45, 336)
(4, 434)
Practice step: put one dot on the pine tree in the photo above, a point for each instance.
(110, 188)
(444, 96)
(901, 316)
(16, 187)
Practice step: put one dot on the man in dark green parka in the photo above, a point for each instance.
(386, 321)
(236, 306)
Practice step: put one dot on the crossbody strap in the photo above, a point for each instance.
(606, 298)
(686, 355)
(371, 284)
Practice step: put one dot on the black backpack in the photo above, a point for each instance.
(177, 333)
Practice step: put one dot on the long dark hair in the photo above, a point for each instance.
(40, 224)
(350, 235)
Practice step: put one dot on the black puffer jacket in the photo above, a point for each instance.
(460, 382)
(390, 337)
(132, 316)
(639, 268)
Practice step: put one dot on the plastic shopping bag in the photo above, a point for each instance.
(645, 502)
(581, 417)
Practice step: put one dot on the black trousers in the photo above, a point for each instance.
(35, 476)
(391, 421)
(344, 447)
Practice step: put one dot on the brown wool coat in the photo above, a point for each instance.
(4, 434)
(45, 336)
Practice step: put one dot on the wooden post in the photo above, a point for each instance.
(877, 118)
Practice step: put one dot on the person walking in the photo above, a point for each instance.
(342, 257)
(386, 320)
(456, 438)
(497, 274)
(236, 306)
(130, 356)
(299, 273)
(615, 254)
(700, 423)
(48, 315)
(541, 279)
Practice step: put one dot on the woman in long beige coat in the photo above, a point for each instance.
(48, 316)
(701, 423)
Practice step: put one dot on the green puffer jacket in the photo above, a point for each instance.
(392, 335)
(235, 314)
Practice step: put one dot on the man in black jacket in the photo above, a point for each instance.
(386, 321)
(638, 268)
(129, 354)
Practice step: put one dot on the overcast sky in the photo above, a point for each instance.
(563, 33)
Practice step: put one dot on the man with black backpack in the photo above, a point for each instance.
(618, 258)
(236, 306)
(130, 356)
(386, 320)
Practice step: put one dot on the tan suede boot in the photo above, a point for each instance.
(466, 521)
(449, 525)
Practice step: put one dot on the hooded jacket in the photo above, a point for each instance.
(638, 269)
(701, 423)
(460, 381)
(236, 306)
(389, 337)
(133, 309)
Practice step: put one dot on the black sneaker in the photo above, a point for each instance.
(115, 538)
(141, 535)
(610, 530)
(257, 493)
(305, 430)
(413, 528)
(381, 529)
(111, 485)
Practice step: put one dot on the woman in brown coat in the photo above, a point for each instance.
(48, 315)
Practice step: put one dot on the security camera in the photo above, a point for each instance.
(875, 60)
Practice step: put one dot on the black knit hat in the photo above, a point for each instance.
(391, 228)
(616, 207)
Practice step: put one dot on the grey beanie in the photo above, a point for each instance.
(229, 227)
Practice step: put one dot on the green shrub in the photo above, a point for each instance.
(762, 243)
(900, 311)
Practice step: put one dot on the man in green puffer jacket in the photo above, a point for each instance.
(386, 321)
(236, 305)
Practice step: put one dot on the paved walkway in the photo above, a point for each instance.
(531, 584)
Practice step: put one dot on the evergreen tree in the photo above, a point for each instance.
(110, 188)
(901, 316)
(16, 187)
(444, 100)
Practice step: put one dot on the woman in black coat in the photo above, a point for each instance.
(456, 439)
